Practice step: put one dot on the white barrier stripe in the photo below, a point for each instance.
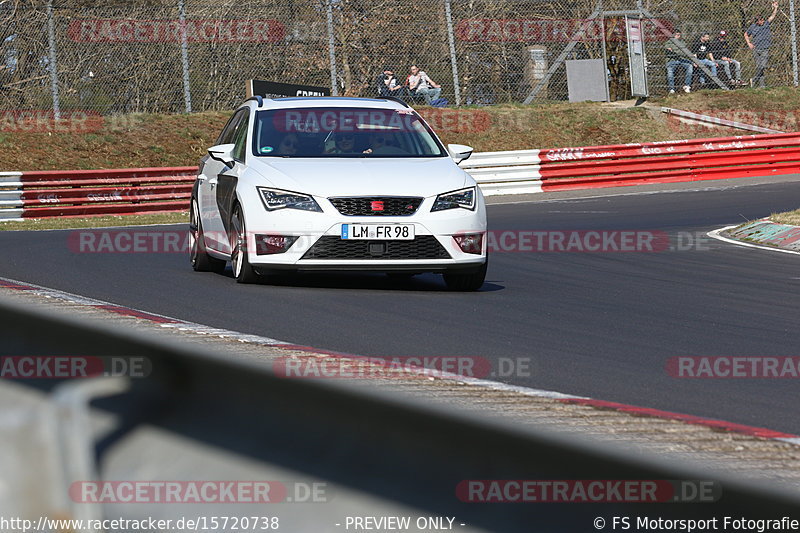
(490, 159)
(11, 203)
(9, 179)
(11, 195)
(513, 187)
(10, 214)
(490, 175)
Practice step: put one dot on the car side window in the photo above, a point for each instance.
(240, 136)
(226, 137)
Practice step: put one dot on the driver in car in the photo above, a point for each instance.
(345, 143)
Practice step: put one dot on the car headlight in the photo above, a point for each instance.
(277, 199)
(451, 200)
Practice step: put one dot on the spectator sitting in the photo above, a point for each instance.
(676, 58)
(702, 49)
(723, 55)
(420, 84)
(388, 85)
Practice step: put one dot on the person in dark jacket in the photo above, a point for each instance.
(723, 57)
(703, 50)
(676, 58)
(388, 85)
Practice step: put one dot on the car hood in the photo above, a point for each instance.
(361, 177)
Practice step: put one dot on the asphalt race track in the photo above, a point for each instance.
(595, 324)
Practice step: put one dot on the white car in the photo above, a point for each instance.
(328, 183)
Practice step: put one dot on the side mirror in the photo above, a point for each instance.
(222, 152)
(459, 152)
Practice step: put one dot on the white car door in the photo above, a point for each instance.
(209, 193)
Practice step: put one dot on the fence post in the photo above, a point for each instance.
(53, 64)
(794, 41)
(332, 50)
(187, 93)
(452, 43)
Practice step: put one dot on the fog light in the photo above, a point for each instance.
(273, 244)
(470, 243)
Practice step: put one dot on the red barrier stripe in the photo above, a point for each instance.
(107, 182)
(113, 174)
(106, 209)
(674, 176)
(685, 161)
(105, 194)
(555, 154)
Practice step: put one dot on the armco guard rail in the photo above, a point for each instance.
(204, 415)
(532, 171)
(152, 190)
(71, 193)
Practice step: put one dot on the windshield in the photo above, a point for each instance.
(343, 132)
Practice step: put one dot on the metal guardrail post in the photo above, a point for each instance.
(52, 60)
(451, 42)
(187, 93)
(332, 48)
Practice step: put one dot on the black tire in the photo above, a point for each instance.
(467, 281)
(198, 256)
(242, 270)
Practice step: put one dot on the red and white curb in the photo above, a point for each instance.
(716, 234)
(183, 325)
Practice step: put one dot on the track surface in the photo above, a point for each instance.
(594, 324)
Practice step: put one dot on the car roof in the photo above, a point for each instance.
(324, 101)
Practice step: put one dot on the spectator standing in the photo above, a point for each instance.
(723, 56)
(759, 39)
(676, 58)
(702, 49)
(420, 84)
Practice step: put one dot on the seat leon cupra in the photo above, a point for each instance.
(336, 184)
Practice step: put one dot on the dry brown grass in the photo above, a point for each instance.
(790, 217)
(177, 140)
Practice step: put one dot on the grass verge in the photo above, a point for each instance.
(792, 218)
(94, 222)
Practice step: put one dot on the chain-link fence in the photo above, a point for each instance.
(121, 56)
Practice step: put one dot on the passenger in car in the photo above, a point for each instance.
(288, 145)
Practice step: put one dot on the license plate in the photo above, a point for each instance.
(378, 232)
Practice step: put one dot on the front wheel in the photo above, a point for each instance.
(467, 281)
(242, 269)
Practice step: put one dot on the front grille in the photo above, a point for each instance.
(365, 206)
(334, 247)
